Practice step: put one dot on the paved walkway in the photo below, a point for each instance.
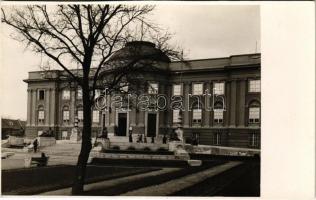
(176, 185)
(111, 183)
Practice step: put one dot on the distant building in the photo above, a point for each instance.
(53, 104)
(12, 127)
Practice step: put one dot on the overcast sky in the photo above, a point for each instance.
(202, 31)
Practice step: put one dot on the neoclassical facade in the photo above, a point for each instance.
(227, 111)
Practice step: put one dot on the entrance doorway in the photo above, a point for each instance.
(122, 124)
(151, 124)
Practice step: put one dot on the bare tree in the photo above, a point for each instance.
(86, 35)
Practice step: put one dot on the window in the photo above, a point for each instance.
(175, 116)
(254, 140)
(39, 133)
(197, 88)
(124, 87)
(80, 115)
(254, 115)
(219, 88)
(95, 116)
(41, 94)
(177, 89)
(66, 94)
(197, 116)
(41, 114)
(153, 88)
(79, 93)
(64, 135)
(217, 139)
(218, 115)
(97, 93)
(66, 115)
(254, 85)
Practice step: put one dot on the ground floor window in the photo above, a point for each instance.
(64, 135)
(39, 133)
(254, 140)
(217, 139)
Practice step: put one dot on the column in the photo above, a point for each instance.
(232, 107)
(34, 109)
(206, 109)
(47, 107)
(186, 113)
(72, 106)
(29, 106)
(162, 113)
(242, 102)
(53, 107)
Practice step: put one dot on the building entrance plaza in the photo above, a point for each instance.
(232, 82)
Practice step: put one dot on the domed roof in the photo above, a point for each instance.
(140, 49)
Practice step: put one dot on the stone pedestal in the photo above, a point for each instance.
(75, 135)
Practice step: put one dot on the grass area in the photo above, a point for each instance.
(36, 180)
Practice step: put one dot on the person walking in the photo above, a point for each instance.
(35, 145)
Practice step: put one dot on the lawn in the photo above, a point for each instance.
(40, 179)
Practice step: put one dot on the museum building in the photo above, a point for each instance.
(233, 83)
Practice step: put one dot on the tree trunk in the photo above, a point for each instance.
(86, 145)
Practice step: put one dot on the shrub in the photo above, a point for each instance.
(146, 149)
(131, 148)
(161, 149)
(116, 148)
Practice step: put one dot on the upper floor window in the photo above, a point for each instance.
(41, 94)
(197, 89)
(175, 116)
(177, 90)
(254, 114)
(124, 87)
(254, 85)
(97, 93)
(218, 115)
(41, 114)
(153, 88)
(219, 88)
(96, 116)
(66, 94)
(79, 93)
(80, 115)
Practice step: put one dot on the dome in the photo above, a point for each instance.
(144, 49)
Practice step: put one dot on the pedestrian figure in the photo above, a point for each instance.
(130, 132)
(164, 139)
(35, 145)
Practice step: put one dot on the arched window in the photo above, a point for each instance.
(41, 114)
(66, 114)
(254, 112)
(218, 112)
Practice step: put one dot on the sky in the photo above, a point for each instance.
(203, 31)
